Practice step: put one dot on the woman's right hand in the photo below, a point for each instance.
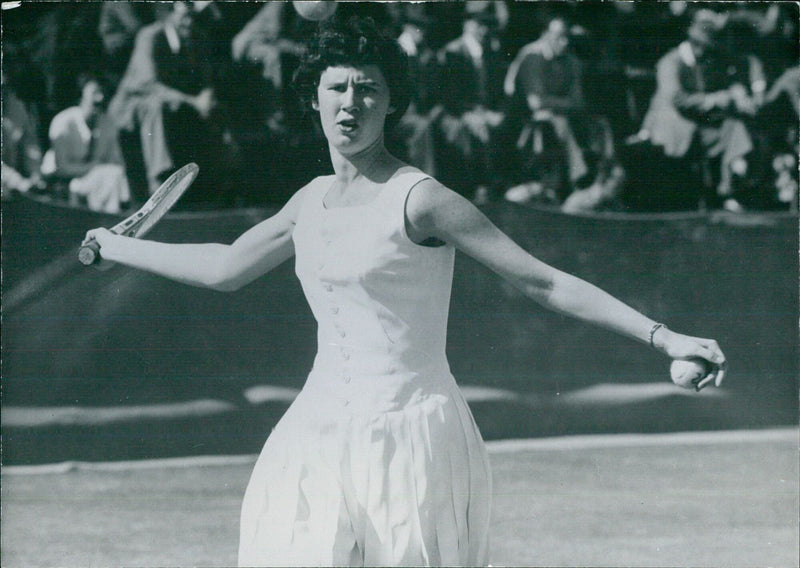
(103, 238)
(101, 235)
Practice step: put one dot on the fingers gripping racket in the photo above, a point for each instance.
(138, 224)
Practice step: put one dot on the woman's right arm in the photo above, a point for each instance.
(209, 265)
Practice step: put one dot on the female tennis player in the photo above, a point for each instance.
(378, 461)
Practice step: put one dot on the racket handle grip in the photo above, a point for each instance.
(89, 253)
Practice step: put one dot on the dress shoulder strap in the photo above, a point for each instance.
(401, 185)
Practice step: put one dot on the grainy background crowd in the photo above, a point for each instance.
(626, 106)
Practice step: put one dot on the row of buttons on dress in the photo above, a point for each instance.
(334, 310)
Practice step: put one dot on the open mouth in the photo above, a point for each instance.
(348, 124)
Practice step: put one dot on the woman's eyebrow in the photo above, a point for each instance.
(366, 83)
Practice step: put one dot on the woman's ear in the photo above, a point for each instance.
(315, 104)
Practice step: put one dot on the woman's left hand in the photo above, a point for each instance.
(679, 346)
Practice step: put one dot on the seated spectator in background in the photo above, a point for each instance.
(117, 26)
(271, 43)
(745, 67)
(470, 87)
(413, 136)
(284, 142)
(265, 41)
(698, 108)
(168, 95)
(545, 85)
(21, 150)
(780, 115)
(84, 152)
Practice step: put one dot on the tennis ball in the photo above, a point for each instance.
(315, 11)
(688, 373)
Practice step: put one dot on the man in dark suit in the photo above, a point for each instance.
(168, 95)
(546, 80)
(472, 68)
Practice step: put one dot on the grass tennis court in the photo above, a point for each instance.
(722, 499)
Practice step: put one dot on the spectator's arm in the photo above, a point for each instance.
(510, 86)
(787, 84)
(12, 179)
(535, 84)
(670, 88)
(264, 27)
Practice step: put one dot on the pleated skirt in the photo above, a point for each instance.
(340, 485)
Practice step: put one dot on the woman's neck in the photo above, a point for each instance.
(374, 163)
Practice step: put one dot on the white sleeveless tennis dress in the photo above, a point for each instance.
(378, 461)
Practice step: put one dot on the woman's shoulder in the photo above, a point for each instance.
(317, 186)
(319, 181)
(428, 196)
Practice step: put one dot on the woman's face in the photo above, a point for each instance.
(353, 103)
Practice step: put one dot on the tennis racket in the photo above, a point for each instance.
(138, 224)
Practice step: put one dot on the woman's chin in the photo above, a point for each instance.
(353, 143)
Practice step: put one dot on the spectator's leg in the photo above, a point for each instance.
(731, 142)
(155, 148)
(575, 161)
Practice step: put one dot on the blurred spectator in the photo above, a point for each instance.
(771, 32)
(36, 31)
(119, 22)
(697, 108)
(194, 90)
(168, 94)
(619, 49)
(84, 152)
(744, 67)
(545, 81)
(280, 140)
(788, 86)
(22, 153)
(264, 41)
(781, 114)
(271, 43)
(413, 136)
(470, 87)
(566, 154)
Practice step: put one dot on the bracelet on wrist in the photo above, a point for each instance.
(653, 331)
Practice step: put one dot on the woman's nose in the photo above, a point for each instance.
(349, 98)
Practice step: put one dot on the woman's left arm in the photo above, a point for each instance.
(434, 211)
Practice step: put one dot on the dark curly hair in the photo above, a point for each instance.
(356, 41)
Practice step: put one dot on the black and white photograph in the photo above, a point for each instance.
(400, 283)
